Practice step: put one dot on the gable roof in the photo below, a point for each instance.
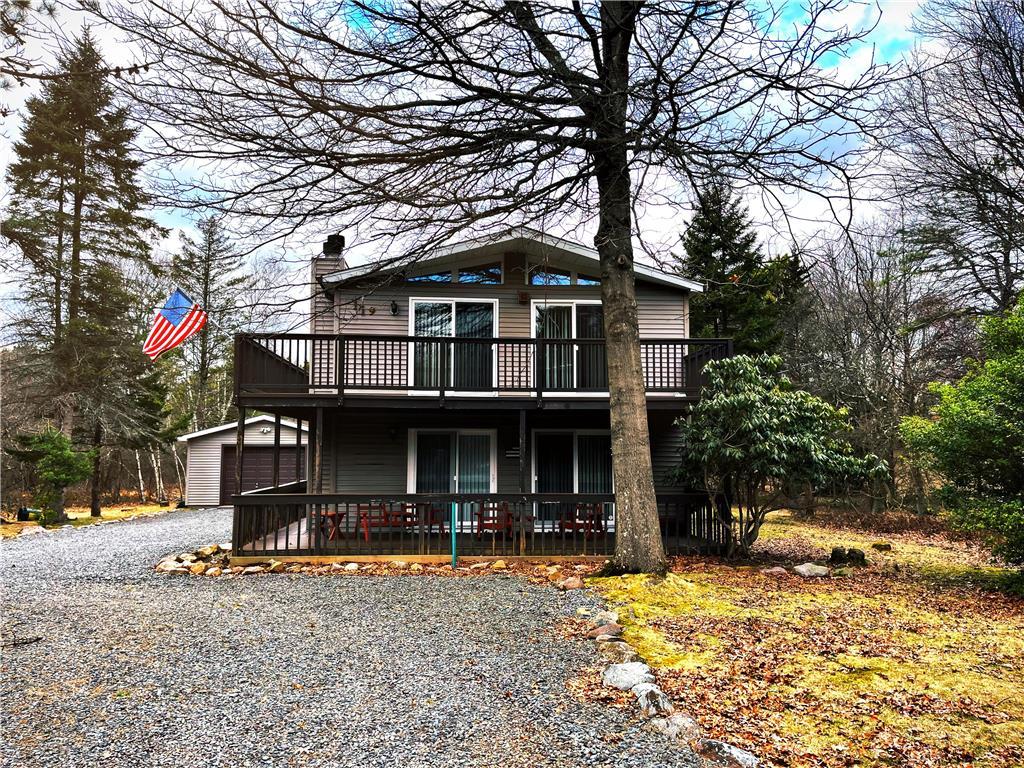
(524, 239)
(234, 425)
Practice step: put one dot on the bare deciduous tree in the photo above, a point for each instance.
(957, 133)
(427, 120)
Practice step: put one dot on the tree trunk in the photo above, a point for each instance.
(94, 482)
(638, 544)
(154, 459)
(142, 484)
(59, 515)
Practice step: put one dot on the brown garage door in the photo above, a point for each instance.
(257, 468)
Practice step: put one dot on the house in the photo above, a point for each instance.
(210, 459)
(461, 402)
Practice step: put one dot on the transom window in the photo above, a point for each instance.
(433, 277)
(540, 275)
(485, 274)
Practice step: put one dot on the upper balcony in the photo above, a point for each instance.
(278, 367)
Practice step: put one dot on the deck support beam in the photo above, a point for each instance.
(298, 449)
(277, 449)
(318, 451)
(239, 447)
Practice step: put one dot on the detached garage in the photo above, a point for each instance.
(210, 464)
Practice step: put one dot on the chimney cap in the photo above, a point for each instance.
(334, 244)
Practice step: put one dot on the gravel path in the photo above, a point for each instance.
(139, 669)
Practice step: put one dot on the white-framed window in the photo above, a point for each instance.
(452, 461)
(572, 461)
(573, 357)
(470, 366)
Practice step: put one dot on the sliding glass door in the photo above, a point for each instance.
(455, 462)
(563, 363)
(467, 366)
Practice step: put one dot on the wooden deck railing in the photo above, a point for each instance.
(317, 363)
(494, 525)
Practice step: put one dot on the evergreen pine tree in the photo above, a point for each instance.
(745, 295)
(210, 270)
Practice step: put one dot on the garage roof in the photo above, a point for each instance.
(234, 425)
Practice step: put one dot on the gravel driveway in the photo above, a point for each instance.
(140, 669)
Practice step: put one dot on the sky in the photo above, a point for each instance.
(892, 39)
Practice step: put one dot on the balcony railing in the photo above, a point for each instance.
(346, 364)
(506, 525)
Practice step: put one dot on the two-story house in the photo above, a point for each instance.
(461, 402)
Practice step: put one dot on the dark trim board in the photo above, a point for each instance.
(279, 403)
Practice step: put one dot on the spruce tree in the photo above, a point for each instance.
(745, 295)
(210, 270)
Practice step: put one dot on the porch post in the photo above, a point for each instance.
(523, 484)
(277, 449)
(298, 449)
(318, 449)
(239, 447)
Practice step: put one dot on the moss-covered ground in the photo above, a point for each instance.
(915, 660)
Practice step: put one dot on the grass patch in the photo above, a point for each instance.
(917, 660)
(81, 516)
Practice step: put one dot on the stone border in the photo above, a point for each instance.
(626, 671)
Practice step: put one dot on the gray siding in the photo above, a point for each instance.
(666, 442)
(202, 464)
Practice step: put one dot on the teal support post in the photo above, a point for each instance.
(455, 554)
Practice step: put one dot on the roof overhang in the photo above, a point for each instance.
(521, 239)
(285, 423)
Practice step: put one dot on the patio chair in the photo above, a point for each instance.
(587, 517)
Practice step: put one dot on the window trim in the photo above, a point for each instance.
(412, 436)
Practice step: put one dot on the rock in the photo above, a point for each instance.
(197, 568)
(498, 565)
(605, 617)
(209, 551)
(478, 566)
(616, 652)
(611, 630)
(187, 557)
(625, 676)
(225, 546)
(810, 570)
(252, 569)
(677, 726)
(838, 555)
(882, 546)
(652, 700)
(275, 566)
(170, 565)
(416, 567)
(337, 566)
(843, 572)
(400, 564)
(856, 556)
(351, 566)
(214, 571)
(723, 755)
(775, 571)
(573, 582)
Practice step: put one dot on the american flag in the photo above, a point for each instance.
(180, 319)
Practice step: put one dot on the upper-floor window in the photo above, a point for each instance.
(485, 274)
(541, 275)
(433, 277)
(582, 279)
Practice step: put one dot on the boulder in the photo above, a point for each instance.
(209, 551)
(214, 571)
(617, 653)
(479, 566)
(722, 755)
(776, 571)
(811, 571)
(275, 566)
(573, 582)
(400, 564)
(499, 565)
(605, 617)
(625, 676)
(249, 570)
(351, 566)
(677, 726)
(187, 557)
(416, 567)
(197, 568)
(856, 556)
(882, 546)
(652, 700)
(843, 572)
(612, 630)
(170, 565)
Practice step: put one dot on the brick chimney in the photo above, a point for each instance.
(331, 260)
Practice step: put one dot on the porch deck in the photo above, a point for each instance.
(533, 526)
